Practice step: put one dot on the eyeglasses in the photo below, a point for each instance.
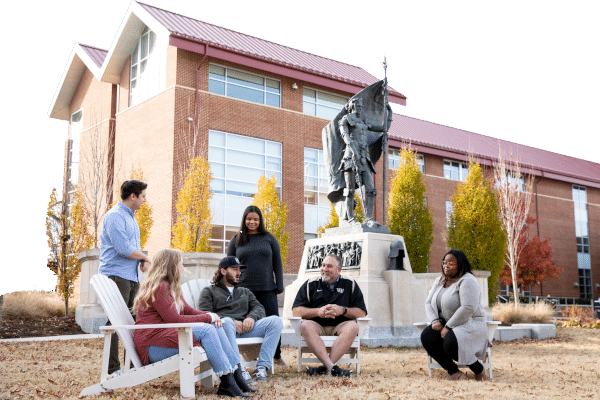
(450, 264)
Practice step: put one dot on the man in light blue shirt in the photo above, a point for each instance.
(121, 253)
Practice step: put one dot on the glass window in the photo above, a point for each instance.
(144, 79)
(316, 204)
(244, 86)
(584, 261)
(455, 170)
(74, 145)
(449, 206)
(394, 160)
(236, 163)
(321, 104)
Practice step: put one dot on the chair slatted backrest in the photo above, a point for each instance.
(191, 290)
(118, 314)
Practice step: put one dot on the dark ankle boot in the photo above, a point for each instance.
(228, 387)
(241, 382)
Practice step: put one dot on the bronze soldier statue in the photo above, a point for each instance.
(352, 144)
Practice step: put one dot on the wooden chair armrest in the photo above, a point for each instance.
(421, 325)
(295, 324)
(363, 322)
(152, 326)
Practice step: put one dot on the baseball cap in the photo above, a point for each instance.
(230, 261)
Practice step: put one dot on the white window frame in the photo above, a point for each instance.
(316, 104)
(394, 160)
(322, 207)
(265, 91)
(582, 238)
(463, 169)
(74, 150)
(147, 83)
(228, 199)
(449, 207)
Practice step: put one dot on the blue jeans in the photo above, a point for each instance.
(223, 357)
(268, 328)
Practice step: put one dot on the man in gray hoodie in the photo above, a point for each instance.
(243, 316)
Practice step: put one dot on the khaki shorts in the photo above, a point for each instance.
(329, 330)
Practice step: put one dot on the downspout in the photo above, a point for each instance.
(537, 217)
(537, 214)
(206, 48)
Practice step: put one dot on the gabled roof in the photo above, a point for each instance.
(445, 141)
(82, 57)
(291, 62)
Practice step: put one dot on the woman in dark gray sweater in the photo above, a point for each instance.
(258, 249)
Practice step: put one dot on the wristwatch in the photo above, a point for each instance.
(345, 311)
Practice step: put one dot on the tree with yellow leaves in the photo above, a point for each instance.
(193, 225)
(334, 220)
(475, 226)
(68, 234)
(274, 212)
(143, 216)
(409, 216)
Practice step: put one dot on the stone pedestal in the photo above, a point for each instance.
(394, 299)
(89, 314)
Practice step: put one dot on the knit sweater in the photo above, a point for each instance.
(262, 256)
(163, 311)
(464, 314)
(241, 305)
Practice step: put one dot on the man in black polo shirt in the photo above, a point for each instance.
(329, 306)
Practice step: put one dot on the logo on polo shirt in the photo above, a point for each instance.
(340, 290)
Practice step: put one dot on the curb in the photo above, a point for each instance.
(50, 338)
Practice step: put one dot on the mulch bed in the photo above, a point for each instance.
(53, 326)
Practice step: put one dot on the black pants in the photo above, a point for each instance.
(445, 351)
(268, 299)
(128, 290)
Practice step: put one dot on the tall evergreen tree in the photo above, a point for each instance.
(193, 225)
(475, 226)
(274, 212)
(408, 214)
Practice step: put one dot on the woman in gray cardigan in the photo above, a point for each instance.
(458, 329)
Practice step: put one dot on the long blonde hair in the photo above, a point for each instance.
(164, 268)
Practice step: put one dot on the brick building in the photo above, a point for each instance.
(256, 108)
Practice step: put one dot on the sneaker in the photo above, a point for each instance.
(247, 377)
(260, 374)
(281, 362)
(118, 372)
(337, 371)
(314, 371)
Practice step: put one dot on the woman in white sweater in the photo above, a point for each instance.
(458, 328)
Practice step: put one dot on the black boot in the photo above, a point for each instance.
(228, 387)
(241, 382)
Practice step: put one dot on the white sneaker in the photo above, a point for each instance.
(247, 377)
(118, 372)
(260, 374)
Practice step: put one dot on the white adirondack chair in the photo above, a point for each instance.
(487, 359)
(249, 347)
(185, 362)
(353, 353)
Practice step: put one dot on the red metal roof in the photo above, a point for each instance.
(426, 136)
(97, 55)
(219, 37)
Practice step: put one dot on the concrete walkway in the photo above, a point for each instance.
(49, 338)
